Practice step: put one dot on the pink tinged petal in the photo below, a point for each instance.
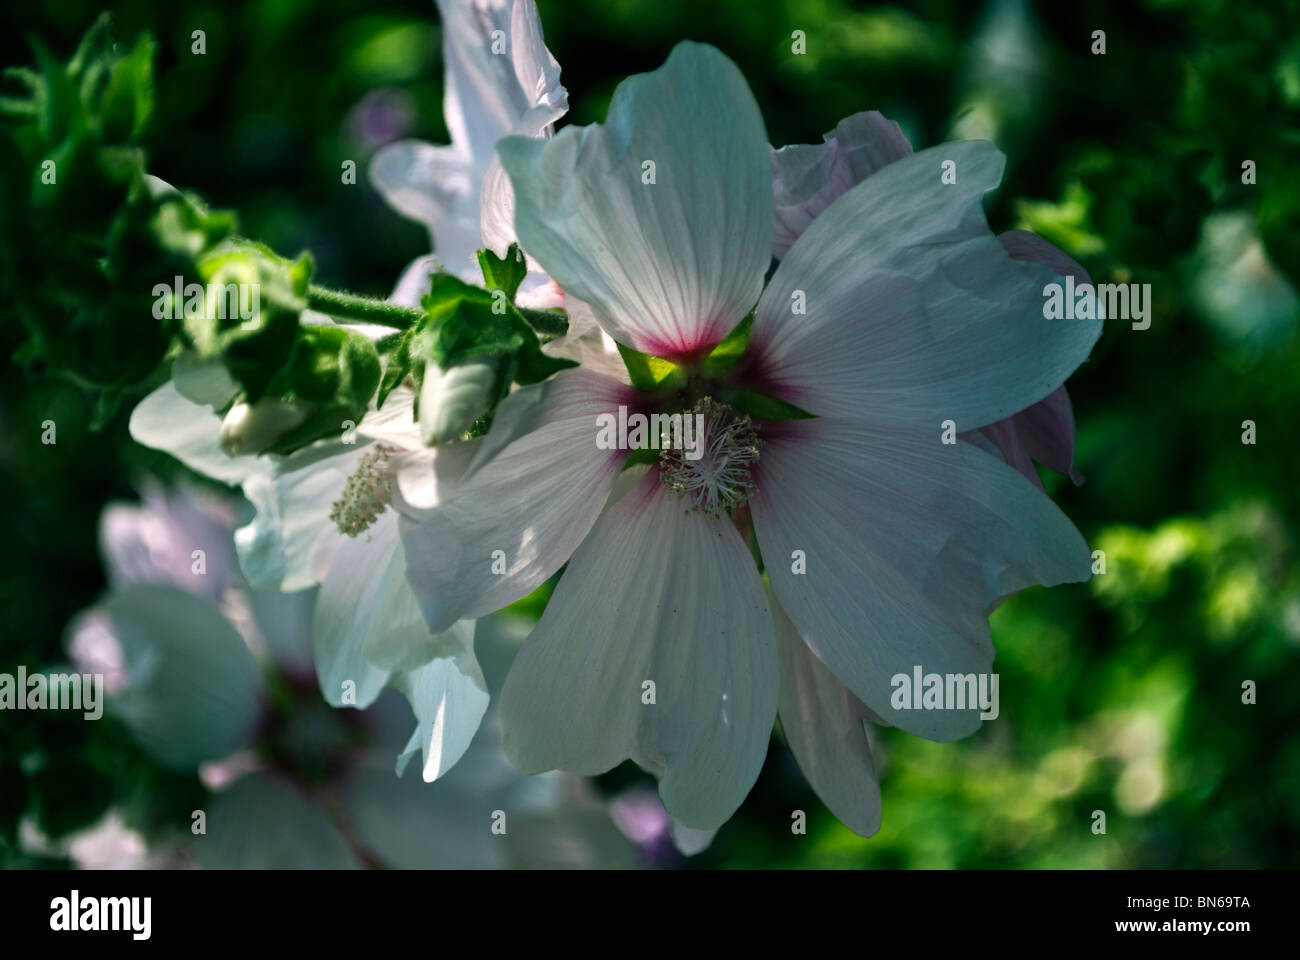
(825, 726)
(806, 178)
(654, 594)
(669, 267)
(908, 543)
(94, 648)
(1002, 439)
(535, 490)
(1047, 431)
(915, 314)
(1024, 245)
(156, 541)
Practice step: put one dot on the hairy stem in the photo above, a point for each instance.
(350, 306)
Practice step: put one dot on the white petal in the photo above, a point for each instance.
(669, 267)
(690, 841)
(907, 542)
(587, 344)
(436, 186)
(807, 178)
(538, 76)
(449, 698)
(825, 726)
(414, 281)
(914, 311)
(482, 98)
(654, 594)
(194, 692)
(190, 432)
(533, 500)
(277, 548)
(359, 606)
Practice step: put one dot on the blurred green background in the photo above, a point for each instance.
(1122, 695)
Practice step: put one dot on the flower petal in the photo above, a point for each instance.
(449, 698)
(915, 313)
(825, 726)
(907, 543)
(806, 178)
(436, 186)
(653, 594)
(193, 692)
(668, 266)
(1047, 432)
(538, 76)
(276, 549)
(1044, 431)
(532, 499)
(167, 421)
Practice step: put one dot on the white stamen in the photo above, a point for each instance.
(719, 478)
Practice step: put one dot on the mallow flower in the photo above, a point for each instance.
(822, 450)
(212, 677)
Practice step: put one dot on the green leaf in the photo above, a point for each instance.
(128, 99)
(398, 368)
(726, 353)
(461, 325)
(762, 407)
(504, 275)
(651, 373)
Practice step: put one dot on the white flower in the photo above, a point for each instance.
(884, 547)
(366, 628)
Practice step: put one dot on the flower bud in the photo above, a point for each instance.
(451, 400)
(250, 429)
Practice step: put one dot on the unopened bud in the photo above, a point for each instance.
(451, 400)
(251, 429)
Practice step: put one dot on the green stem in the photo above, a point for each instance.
(350, 306)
